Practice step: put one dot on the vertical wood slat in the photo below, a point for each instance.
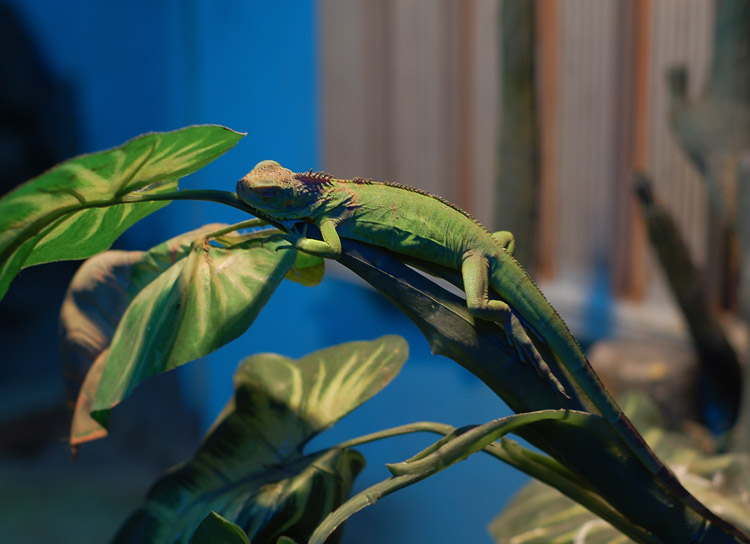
(518, 165)
(586, 138)
(548, 85)
(484, 112)
(465, 173)
(420, 109)
(681, 34)
(632, 123)
(355, 109)
(398, 100)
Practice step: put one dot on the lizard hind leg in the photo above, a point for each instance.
(475, 271)
(506, 239)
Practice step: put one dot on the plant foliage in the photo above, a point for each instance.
(129, 315)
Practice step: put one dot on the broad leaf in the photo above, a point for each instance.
(96, 300)
(78, 208)
(112, 325)
(251, 468)
(539, 514)
(93, 305)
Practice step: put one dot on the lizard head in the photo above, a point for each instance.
(271, 188)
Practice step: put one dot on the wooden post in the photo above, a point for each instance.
(466, 67)
(548, 93)
(516, 202)
(632, 112)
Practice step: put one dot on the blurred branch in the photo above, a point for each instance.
(518, 172)
(741, 434)
(721, 383)
(713, 131)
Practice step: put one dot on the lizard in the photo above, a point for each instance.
(417, 224)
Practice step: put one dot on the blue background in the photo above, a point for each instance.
(142, 66)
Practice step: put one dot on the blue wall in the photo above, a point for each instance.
(141, 66)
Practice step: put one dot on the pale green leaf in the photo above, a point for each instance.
(204, 300)
(78, 208)
(107, 292)
(307, 270)
(251, 469)
(94, 303)
(320, 388)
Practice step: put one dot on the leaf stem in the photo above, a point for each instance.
(210, 195)
(206, 195)
(250, 223)
(458, 444)
(416, 427)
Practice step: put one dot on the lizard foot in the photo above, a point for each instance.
(527, 352)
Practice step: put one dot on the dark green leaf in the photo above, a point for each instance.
(214, 529)
(251, 469)
(79, 208)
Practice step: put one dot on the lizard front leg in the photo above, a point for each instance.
(475, 270)
(329, 247)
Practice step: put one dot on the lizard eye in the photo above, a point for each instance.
(266, 164)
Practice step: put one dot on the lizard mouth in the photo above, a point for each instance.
(253, 193)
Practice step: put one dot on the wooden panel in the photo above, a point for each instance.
(355, 87)
(631, 127)
(681, 34)
(399, 88)
(548, 82)
(410, 93)
(485, 110)
(586, 136)
(420, 108)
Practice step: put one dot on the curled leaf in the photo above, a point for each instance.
(112, 326)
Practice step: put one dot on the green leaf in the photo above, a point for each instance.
(79, 207)
(211, 296)
(214, 529)
(94, 303)
(307, 270)
(111, 319)
(251, 468)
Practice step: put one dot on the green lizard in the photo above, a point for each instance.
(420, 225)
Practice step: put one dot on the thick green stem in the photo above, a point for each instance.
(458, 445)
(249, 224)
(207, 195)
(417, 427)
